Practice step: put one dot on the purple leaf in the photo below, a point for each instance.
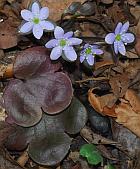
(21, 105)
(32, 61)
(43, 87)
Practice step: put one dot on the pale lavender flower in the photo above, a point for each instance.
(120, 38)
(35, 20)
(89, 52)
(63, 45)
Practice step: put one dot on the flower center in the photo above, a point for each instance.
(118, 37)
(36, 20)
(63, 42)
(88, 51)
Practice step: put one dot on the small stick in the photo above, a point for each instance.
(92, 78)
(22, 160)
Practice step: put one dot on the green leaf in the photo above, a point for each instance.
(91, 153)
(109, 166)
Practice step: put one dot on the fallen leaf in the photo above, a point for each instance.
(99, 102)
(119, 85)
(128, 114)
(137, 45)
(8, 36)
(133, 99)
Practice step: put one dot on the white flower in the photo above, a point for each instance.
(36, 20)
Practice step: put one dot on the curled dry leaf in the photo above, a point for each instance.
(100, 102)
(128, 114)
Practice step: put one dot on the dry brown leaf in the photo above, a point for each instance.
(104, 63)
(133, 99)
(128, 118)
(56, 7)
(8, 36)
(128, 114)
(110, 111)
(137, 45)
(119, 85)
(98, 103)
(2, 2)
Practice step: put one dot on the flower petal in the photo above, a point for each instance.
(35, 9)
(68, 35)
(118, 28)
(128, 37)
(110, 38)
(26, 15)
(58, 32)
(82, 58)
(121, 48)
(47, 25)
(90, 60)
(26, 27)
(52, 43)
(86, 45)
(75, 41)
(116, 47)
(37, 31)
(44, 13)
(70, 53)
(56, 53)
(95, 46)
(97, 51)
(124, 28)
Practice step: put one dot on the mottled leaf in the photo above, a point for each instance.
(74, 117)
(51, 149)
(48, 143)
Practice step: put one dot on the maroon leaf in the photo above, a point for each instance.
(53, 91)
(47, 141)
(32, 61)
(21, 105)
(43, 87)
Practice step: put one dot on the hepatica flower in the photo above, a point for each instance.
(35, 20)
(89, 52)
(120, 38)
(63, 45)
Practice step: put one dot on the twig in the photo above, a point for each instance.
(90, 79)
(22, 160)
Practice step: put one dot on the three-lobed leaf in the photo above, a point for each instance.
(42, 87)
